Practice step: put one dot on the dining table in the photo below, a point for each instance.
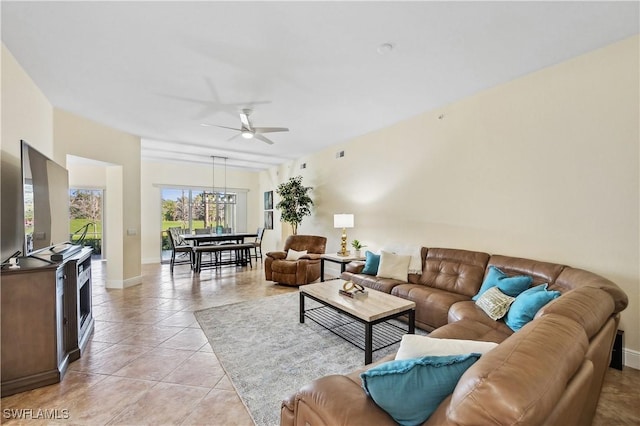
(236, 237)
(216, 245)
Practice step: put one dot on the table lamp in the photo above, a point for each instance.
(343, 221)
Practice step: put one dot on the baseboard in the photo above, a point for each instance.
(150, 260)
(37, 380)
(129, 282)
(632, 359)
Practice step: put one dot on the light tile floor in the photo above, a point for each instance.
(148, 362)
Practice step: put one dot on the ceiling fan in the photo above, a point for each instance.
(248, 131)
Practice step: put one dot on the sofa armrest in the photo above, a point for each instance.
(277, 255)
(335, 400)
(287, 411)
(354, 267)
(311, 256)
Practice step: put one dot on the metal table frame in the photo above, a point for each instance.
(319, 316)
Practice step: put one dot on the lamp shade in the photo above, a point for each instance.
(343, 221)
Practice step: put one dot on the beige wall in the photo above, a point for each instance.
(75, 135)
(544, 167)
(27, 115)
(87, 176)
(156, 175)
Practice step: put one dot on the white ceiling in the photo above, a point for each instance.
(159, 69)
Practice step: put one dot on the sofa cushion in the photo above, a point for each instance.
(511, 286)
(527, 304)
(419, 385)
(393, 265)
(285, 267)
(371, 263)
(474, 330)
(416, 346)
(432, 304)
(469, 311)
(458, 271)
(495, 303)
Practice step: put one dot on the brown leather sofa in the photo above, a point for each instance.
(549, 372)
(298, 272)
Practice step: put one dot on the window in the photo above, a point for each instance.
(195, 208)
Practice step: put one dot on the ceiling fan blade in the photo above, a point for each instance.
(234, 137)
(209, 107)
(250, 105)
(212, 90)
(270, 129)
(262, 138)
(224, 127)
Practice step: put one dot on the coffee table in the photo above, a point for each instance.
(342, 315)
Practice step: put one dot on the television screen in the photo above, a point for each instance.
(45, 192)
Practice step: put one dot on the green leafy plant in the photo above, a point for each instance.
(356, 245)
(295, 202)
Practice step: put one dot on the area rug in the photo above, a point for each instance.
(269, 355)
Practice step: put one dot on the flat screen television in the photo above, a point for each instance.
(45, 193)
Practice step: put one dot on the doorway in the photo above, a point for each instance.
(86, 207)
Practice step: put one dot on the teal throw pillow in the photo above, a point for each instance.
(511, 286)
(410, 390)
(527, 304)
(371, 263)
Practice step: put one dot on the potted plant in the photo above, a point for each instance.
(295, 202)
(357, 246)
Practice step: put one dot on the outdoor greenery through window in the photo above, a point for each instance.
(85, 211)
(191, 209)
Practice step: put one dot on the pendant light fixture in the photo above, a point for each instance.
(220, 198)
(215, 195)
(212, 202)
(224, 195)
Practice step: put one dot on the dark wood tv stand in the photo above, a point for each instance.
(79, 302)
(46, 319)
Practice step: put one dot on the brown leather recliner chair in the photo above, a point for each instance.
(296, 272)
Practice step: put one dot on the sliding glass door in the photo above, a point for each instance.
(193, 208)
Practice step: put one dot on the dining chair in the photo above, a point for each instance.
(178, 247)
(257, 244)
(203, 231)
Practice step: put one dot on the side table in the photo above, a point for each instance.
(336, 258)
